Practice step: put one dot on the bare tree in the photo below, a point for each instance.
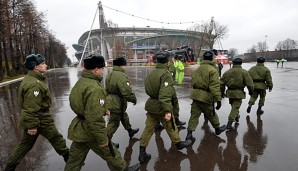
(232, 52)
(285, 46)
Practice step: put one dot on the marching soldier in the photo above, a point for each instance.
(235, 79)
(119, 91)
(159, 87)
(262, 79)
(87, 130)
(206, 91)
(34, 103)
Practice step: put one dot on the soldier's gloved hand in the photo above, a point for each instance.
(270, 90)
(218, 105)
(223, 95)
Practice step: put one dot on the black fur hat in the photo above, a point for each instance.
(237, 61)
(119, 61)
(93, 61)
(261, 59)
(162, 57)
(32, 60)
(208, 55)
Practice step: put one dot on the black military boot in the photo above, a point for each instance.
(143, 155)
(183, 144)
(260, 111)
(66, 156)
(248, 108)
(220, 129)
(159, 126)
(178, 122)
(10, 168)
(237, 118)
(133, 167)
(229, 125)
(132, 132)
(190, 137)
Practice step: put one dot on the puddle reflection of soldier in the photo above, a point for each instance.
(231, 155)
(254, 142)
(35, 118)
(167, 158)
(209, 152)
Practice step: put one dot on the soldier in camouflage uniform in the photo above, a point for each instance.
(235, 79)
(172, 69)
(262, 79)
(87, 130)
(206, 91)
(34, 102)
(159, 106)
(119, 93)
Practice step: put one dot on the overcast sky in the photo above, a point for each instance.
(248, 21)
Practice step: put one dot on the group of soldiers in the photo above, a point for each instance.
(92, 103)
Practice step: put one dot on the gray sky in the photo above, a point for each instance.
(248, 21)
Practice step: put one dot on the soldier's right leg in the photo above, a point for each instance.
(117, 162)
(146, 136)
(56, 139)
(208, 110)
(195, 114)
(113, 124)
(21, 149)
(193, 121)
(252, 100)
(77, 155)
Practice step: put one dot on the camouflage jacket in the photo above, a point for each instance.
(34, 100)
(119, 91)
(159, 87)
(236, 79)
(261, 77)
(205, 82)
(87, 100)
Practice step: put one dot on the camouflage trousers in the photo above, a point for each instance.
(114, 123)
(79, 151)
(235, 104)
(151, 121)
(50, 132)
(255, 95)
(197, 108)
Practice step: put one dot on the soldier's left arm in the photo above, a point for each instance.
(126, 90)
(214, 85)
(248, 81)
(166, 92)
(269, 82)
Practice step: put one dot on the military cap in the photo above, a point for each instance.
(237, 61)
(162, 57)
(208, 55)
(119, 61)
(215, 52)
(32, 60)
(94, 61)
(261, 59)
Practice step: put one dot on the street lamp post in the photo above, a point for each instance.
(265, 48)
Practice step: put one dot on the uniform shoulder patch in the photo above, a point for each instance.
(36, 93)
(101, 102)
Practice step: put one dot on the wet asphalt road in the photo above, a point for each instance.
(261, 143)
